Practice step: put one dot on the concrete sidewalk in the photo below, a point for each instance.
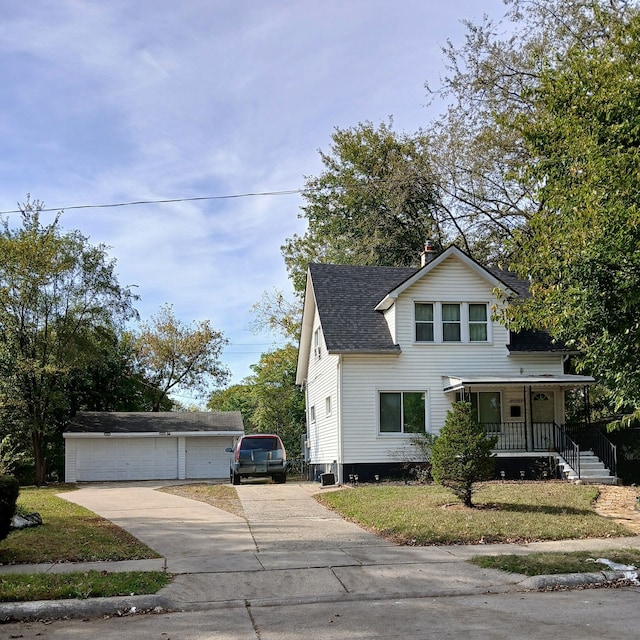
(289, 549)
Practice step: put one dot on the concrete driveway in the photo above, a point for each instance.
(174, 527)
(288, 547)
(285, 517)
(196, 537)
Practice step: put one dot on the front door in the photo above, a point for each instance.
(543, 418)
(543, 406)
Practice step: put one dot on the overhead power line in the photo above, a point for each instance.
(112, 205)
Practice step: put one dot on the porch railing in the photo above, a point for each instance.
(539, 437)
(517, 436)
(512, 436)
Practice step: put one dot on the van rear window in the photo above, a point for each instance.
(265, 444)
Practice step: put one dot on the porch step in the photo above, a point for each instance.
(592, 470)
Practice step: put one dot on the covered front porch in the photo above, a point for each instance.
(527, 415)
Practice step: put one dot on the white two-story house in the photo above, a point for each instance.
(385, 351)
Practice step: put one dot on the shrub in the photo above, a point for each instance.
(415, 456)
(9, 490)
(461, 454)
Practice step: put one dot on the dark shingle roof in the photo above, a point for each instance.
(534, 341)
(346, 296)
(166, 421)
(517, 285)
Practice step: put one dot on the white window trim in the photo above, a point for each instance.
(433, 322)
(402, 434)
(487, 322)
(464, 323)
(317, 344)
(327, 406)
(460, 322)
(312, 413)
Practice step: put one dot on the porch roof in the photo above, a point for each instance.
(561, 380)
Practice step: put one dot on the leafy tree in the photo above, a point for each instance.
(582, 248)
(279, 403)
(275, 314)
(477, 151)
(56, 292)
(171, 354)
(110, 381)
(238, 397)
(461, 454)
(374, 203)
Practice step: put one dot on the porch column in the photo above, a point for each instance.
(528, 419)
(587, 406)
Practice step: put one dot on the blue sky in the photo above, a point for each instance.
(127, 100)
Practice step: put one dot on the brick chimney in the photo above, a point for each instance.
(428, 254)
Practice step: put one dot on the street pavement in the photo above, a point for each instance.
(289, 549)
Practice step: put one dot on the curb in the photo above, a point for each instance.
(572, 580)
(89, 608)
(134, 605)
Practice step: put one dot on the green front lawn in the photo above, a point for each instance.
(505, 512)
(90, 584)
(544, 564)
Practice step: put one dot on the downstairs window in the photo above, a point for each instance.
(402, 412)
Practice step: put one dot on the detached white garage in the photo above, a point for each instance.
(102, 446)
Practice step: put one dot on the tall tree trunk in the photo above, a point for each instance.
(37, 438)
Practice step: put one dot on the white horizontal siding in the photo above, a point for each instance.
(363, 378)
(390, 317)
(322, 382)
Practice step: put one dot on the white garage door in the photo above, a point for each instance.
(207, 458)
(126, 459)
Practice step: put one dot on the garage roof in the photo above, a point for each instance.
(161, 422)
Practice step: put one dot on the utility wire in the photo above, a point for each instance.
(287, 192)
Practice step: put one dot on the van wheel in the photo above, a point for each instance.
(235, 478)
(280, 479)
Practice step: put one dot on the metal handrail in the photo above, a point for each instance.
(569, 450)
(606, 451)
(590, 437)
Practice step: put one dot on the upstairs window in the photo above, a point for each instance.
(316, 343)
(424, 322)
(478, 323)
(451, 323)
